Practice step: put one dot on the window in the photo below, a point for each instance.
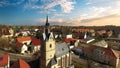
(50, 45)
(62, 49)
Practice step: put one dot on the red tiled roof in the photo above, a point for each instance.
(21, 39)
(20, 64)
(4, 60)
(23, 31)
(68, 40)
(36, 41)
(107, 51)
(6, 33)
(85, 39)
(19, 45)
(111, 52)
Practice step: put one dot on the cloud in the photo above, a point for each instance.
(117, 3)
(103, 22)
(66, 5)
(52, 21)
(31, 4)
(4, 3)
(100, 11)
(99, 18)
(96, 1)
(101, 8)
(112, 19)
(60, 21)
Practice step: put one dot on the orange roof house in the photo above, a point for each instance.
(20, 64)
(18, 45)
(4, 60)
(69, 40)
(102, 54)
(24, 40)
(36, 42)
(21, 39)
(111, 52)
(107, 51)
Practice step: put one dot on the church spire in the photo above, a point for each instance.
(47, 21)
(47, 30)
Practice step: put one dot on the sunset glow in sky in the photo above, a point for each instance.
(60, 12)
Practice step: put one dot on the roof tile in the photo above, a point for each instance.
(20, 64)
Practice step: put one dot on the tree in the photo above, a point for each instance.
(4, 43)
(39, 35)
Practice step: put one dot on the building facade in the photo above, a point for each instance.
(103, 55)
(54, 54)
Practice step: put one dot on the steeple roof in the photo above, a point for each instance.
(47, 24)
(47, 30)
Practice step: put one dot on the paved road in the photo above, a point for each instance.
(15, 57)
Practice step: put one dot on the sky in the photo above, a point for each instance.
(60, 12)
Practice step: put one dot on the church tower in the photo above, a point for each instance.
(47, 47)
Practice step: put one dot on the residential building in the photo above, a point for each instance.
(11, 31)
(102, 43)
(104, 55)
(23, 48)
(4, 61)
(24, 40)
(69, 36)
(20, 64)
(110, 33)
(101, 32)
(86, 39)
(25, 32)
(36, 44)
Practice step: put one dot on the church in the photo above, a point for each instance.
(54, 54)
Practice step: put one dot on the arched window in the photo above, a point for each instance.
(50, 45)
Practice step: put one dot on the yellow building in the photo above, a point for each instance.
(53, 54)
